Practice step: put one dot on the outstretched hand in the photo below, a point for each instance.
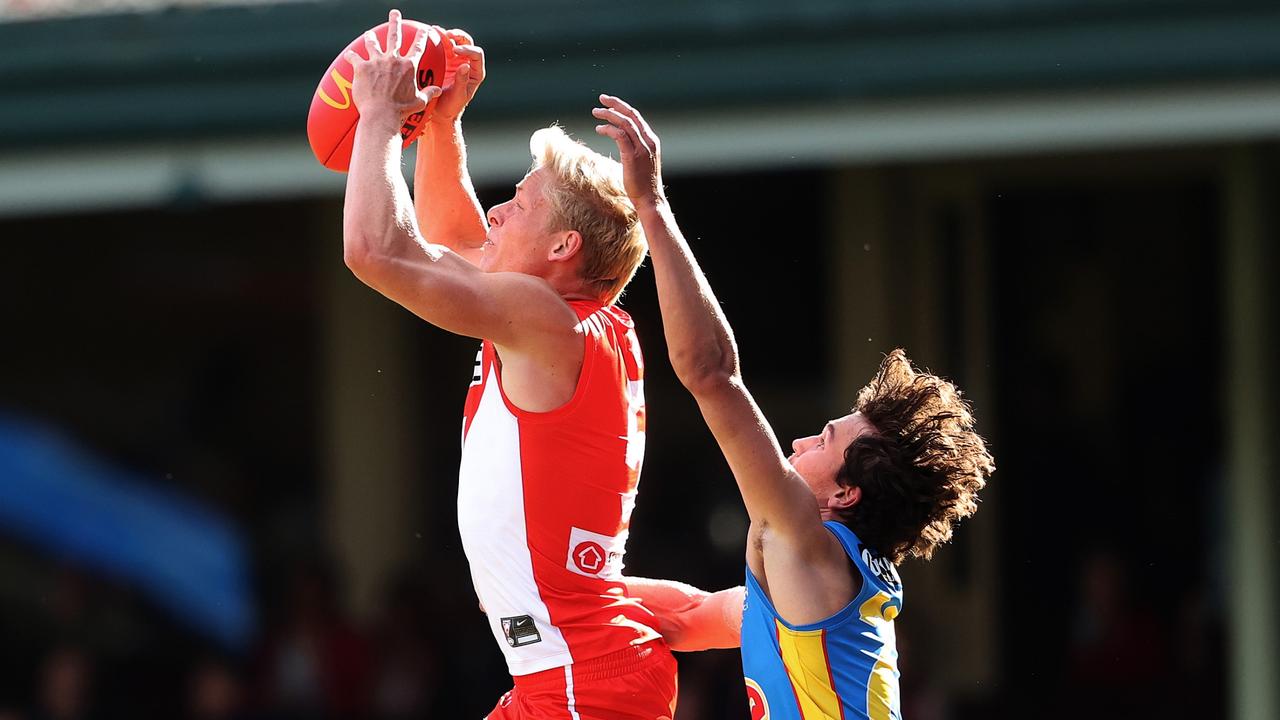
(638, 148)
(467, 60)
(385, 87)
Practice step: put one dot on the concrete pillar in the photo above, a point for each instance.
(892, 276)
(859, 252)
(1251, 432)
(370, 393)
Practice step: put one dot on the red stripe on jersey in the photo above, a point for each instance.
(831, 677)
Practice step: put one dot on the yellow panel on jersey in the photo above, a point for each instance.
(841, 668)
(879, 609)
(882, 691)
(804, 654)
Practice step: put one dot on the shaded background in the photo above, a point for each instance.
(227, 469)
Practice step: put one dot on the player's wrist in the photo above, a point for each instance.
(444, 121)
(380, 120)
(652, 204)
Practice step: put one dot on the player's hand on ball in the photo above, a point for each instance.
(638, 147)
(461, 52)
(384, 87)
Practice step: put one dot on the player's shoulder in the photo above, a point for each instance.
(875, 567)
(610, 330)
(596, 318)
(622, 317)
(533, 287)
(605, 314)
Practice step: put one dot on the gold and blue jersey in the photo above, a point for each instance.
(841, 668)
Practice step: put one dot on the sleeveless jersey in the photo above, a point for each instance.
(844, 667)
(545, 500)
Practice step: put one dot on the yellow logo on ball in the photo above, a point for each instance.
(344, 86)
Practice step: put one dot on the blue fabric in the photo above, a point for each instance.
(188, 559)
(856, 639)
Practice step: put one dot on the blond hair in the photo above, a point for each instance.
(585, 193)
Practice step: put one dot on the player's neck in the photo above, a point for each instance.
(573, 289)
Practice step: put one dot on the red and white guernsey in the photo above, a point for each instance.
(545, 500)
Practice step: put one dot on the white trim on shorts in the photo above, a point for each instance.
(568, 691)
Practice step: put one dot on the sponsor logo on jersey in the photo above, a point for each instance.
(880, 608)
(589, 557)
(520, 631)
(881, 566)
(756, 701)
(595, 555)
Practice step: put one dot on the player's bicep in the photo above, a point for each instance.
(471, 254)
(443, 288)
(773, 492)
(810, 576)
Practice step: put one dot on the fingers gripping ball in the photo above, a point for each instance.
(331, 124)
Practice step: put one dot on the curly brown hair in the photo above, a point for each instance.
(921, 471)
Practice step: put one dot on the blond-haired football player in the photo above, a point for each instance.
(553, 430)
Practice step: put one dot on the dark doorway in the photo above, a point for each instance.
(1109, 364)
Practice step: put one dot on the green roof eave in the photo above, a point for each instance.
(252, 70)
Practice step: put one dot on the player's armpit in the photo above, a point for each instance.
(691, 619)
(809, 579)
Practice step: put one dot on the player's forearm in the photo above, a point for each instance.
(381, 242)
(691, 619)
(699, 339)
(445, 200)
(377, 218)
(705, 358)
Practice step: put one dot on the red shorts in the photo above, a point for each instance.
(638, 683)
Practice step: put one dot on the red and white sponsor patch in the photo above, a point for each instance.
(595, 555)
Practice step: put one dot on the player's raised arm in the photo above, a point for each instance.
(381, 242)
(691, 619)
(700, 341)
(445, 201)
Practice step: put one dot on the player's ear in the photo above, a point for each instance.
(845, 497)
(567, 244)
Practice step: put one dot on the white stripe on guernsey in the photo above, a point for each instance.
(568, 691)
(635, 436)
(491, 521)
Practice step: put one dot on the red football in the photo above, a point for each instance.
(331, 124)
